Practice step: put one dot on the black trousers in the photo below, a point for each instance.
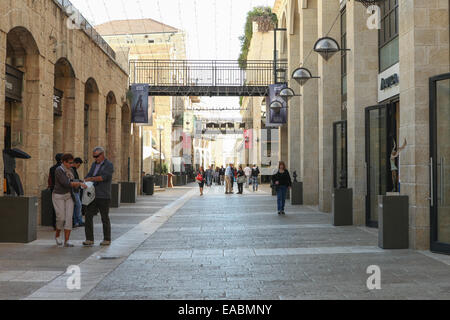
(97, 205)
(240, 187)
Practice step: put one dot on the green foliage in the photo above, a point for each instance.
(165, 169)
(266, 22)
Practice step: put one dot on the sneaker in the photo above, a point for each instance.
(82, 224)
(105, 243)
(68, 245)
(88, 243)
(283, 213)
(58, 242)
(279, 212)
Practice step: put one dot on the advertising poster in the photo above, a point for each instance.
(140, 104)
(276, 118)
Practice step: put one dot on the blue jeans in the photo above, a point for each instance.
(281, 197)
(255, 183)
(77, 218)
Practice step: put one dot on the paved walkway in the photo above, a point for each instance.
(236, 247)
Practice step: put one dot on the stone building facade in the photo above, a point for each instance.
(384, 89)
(73, 96)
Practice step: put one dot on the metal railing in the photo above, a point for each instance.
(84, 25)
(204, 73)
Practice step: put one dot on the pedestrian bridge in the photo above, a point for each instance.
(207, 77)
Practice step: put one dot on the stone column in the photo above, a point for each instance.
(362, 73)
(424, 52)
(78, 118)
(309, 132)
(293, 44)
(329, 100)
(2, 103)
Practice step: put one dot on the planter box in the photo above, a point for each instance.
(297, 193)
(18, 219)
(393, 222)
(128, 192)
(46, 208)
(115, 195)
(342, 204)
(148, 185)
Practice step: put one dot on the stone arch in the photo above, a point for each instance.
(64, 111)
(126, 142)
(111, 131)
(91, 118)
(22, 109)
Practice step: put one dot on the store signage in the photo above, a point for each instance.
(13, 83)
(57, 102)
(276, 118)
(388, 83)
(141, 104)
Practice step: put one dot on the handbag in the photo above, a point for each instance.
(241, 179)
(199, 178)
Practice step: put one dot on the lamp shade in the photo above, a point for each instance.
(326, 47)
(301, 75)
(287, 94)
(276, 106)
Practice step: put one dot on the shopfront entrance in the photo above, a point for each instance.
(440, 163)
(382, 123)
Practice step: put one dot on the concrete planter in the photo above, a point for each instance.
(297, 193)
(128, 192)
(342, 204)
(18, 219)
(393, 222)
(46, 208)
(115, 195)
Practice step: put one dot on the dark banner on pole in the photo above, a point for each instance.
(276, 118)
(140, 105)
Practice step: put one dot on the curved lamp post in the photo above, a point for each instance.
(327, 47)
(302, 75)
(276, 106)
(287, 93)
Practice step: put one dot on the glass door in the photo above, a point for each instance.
(440, 163)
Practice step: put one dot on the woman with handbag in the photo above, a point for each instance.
(201, 180)
(62, 198)
(282, 181)
(240, 180)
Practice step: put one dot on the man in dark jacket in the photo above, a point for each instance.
(51, 183)
(101, 174)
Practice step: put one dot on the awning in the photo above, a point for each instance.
(155, 154)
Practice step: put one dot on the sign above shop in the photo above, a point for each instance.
(389, 83)
(13, 85)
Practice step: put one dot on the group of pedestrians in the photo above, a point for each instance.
(67, 194)
(228, 177)
(280, 180)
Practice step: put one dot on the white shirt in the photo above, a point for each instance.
(248, 171)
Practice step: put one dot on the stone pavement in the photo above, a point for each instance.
(27, 268)
(224, 247)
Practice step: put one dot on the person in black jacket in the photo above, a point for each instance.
(282, 181)
(240, 180)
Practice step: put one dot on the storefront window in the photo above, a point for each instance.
(388, 34)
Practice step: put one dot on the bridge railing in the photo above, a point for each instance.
(205, 73)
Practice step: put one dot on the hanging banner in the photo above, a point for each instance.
(276, 118)
(140, 104)
(248, 138)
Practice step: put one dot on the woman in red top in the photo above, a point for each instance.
(201, 179)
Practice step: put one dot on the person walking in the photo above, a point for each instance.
(77, 192)
(222, 175)
(255, 174)
(209, 176)
(100, 174)
(62, 199)
(51, 183)
(229, 174)
(201, 180)
(248, 174)
(282, 181)
(240, 180)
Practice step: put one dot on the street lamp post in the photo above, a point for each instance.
(160, 129)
